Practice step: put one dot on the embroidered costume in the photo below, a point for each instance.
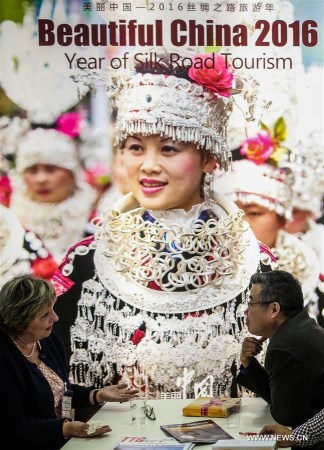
(21, 251)
(157, 298)
(58, 224)
(162, 298)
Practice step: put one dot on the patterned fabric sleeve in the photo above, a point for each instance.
(313, 430)
(62, 278)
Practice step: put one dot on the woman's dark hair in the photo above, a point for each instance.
(21, 299)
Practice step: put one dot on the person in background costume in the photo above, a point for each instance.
(263, 190)
(49, 196)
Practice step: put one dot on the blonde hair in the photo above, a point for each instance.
(21, 299)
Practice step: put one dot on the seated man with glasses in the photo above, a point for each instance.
(292, 379)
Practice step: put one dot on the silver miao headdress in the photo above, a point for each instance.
(174, 107)
(263, 177)
(186, 108)
(192, 104)
(263, 184)
(294, 178)
(47, 146)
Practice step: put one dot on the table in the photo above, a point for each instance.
(255, 413)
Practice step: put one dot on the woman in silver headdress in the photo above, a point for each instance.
(49, 196)
(261, 185)
(157, 296)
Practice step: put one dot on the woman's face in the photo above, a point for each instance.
(41, 326)
(47, 183)
(264, 223)
(164, 174)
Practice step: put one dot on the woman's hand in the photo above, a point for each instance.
(79, 429)
(116, 393)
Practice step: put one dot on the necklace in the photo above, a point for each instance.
(149, 251)
(31, 353)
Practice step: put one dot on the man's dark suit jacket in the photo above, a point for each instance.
(292, 381)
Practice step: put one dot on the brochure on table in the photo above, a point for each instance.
(142, 443)
(199, 432)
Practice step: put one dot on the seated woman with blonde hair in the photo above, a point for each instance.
(34, 373)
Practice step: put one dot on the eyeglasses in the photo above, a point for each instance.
(149, 412)
(249, 304)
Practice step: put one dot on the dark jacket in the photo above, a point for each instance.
(292, 379)
(27, 414)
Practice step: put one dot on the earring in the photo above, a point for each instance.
(208, 179)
